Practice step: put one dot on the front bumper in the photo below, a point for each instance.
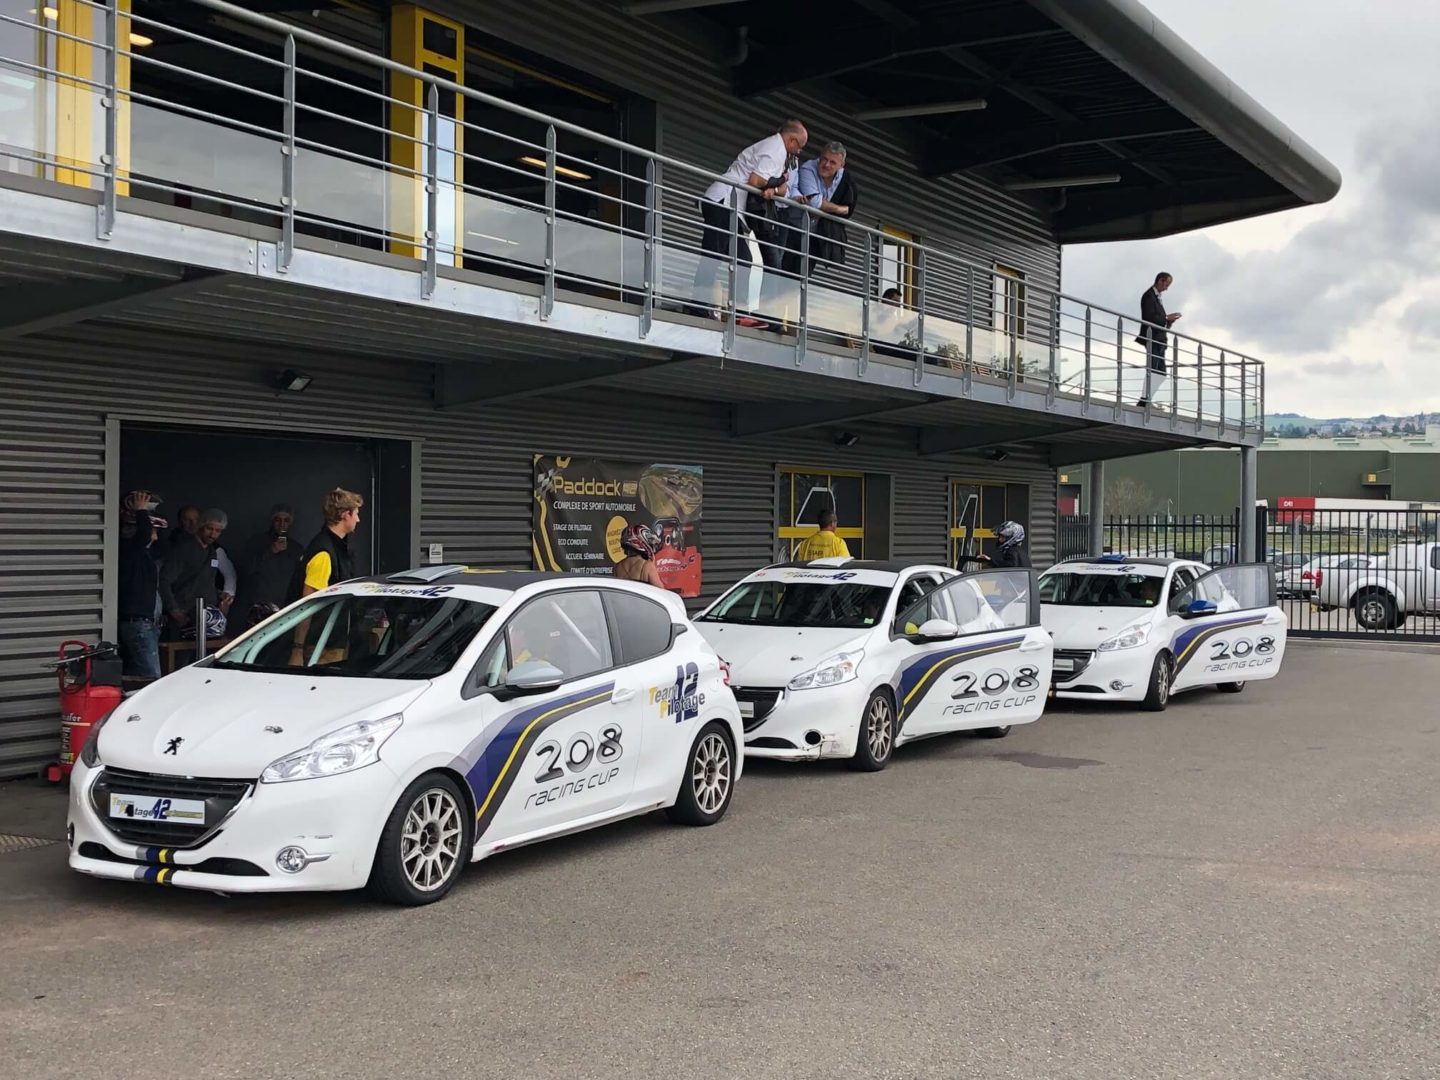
(336, 820)
(1129, 668)
(808, 725)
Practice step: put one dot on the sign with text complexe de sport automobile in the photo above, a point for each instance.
(582, 505)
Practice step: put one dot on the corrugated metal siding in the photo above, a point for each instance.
(476, 469)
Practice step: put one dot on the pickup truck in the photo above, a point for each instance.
(1405, 581)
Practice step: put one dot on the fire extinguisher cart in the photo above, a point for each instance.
(90, 687)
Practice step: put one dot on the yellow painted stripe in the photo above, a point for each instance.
(521, 742)
(949, 659)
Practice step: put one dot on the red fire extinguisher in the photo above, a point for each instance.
(90, 684)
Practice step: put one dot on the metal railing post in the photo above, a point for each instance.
(105, 220)
(202, 639)
(647, 306)
(1054, 346)
(732, 273)
(1244, 394)
(865, 304)
(1222, 391)
(1120, 361)
(920, 316)
(1260, 411)
(1199, 386)
(1087, 388)
(432, 194)
(1174, 383)
(547, 298)
(1016, 319)
(287, 164)
(802, 330)
(969, 377)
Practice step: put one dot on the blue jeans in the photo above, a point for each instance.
(140, 647)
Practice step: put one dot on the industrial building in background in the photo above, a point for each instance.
(445, 257)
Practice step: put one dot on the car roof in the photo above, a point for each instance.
(481, 583)
(883, 566)
(1150, 562)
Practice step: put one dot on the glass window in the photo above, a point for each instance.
(977, 603)
(802, 603)
(1081, 588)
(805, 494)
(1232, 588)
(978, 509)
(566, 630)
(642, 627)
(363, 635)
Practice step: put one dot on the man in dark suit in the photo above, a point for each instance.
(1153, 334)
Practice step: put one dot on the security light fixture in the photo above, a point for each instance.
(997, 455)
(291, 381)
(846, 438)
(1063, 182)
(560, 170)
(140, 41)
(938, 108)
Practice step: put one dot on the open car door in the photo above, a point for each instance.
(1234, 629)
(973, 655)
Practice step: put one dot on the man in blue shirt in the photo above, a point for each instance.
(823, 186)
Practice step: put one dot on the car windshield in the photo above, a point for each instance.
(845, 605)
(362, 635)
(1076, 588)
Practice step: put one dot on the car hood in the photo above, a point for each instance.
(225, 722)
(1087, 627)
(773, 655)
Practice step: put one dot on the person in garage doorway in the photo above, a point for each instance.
(193, 565)
(138, 596)
(187, 524)
(268, 564)
(825, 542)
(1012, 547)
(639, 561)
(328, 559)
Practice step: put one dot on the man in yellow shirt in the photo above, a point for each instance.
(824, 542)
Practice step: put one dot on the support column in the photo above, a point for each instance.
(1096, 509)
(1249, 460)
(425, 41)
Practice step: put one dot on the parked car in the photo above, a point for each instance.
(1141, 630)
(851, 659)
(1382, 594)
(386, 732)
(1302, 582)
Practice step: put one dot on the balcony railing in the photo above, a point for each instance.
(312, 142)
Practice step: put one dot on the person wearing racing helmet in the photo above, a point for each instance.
(1012, 547)
(639, 561)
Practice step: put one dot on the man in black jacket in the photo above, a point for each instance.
(138, 597)
(192, 565)
(828, 186)
(268, 564)
(1154, 333)
(328, 561)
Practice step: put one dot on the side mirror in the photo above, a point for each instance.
(534, 677)
(938, 630)
(1196, 608)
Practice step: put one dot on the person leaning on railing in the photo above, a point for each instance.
(762, 166)
(828, 186)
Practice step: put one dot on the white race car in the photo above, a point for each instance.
(1140, 630)
(387, 731)
(850, 659)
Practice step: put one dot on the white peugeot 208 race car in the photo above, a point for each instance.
(388, 731)
(850, 659)
(1139, 630)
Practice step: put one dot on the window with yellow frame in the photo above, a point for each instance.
(807, 493)
(895, 264)
(977, 508)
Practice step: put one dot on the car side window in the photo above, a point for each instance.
(912, 590)
(1181, 581)
(642, 627)
(566, 630)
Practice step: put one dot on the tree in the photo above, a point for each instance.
(1127, 497)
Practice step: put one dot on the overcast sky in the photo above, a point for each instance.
(1342, 301)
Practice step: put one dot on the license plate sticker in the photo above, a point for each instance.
(747, 709)
(1065, 664)
(149, 808)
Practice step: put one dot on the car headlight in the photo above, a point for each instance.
(90, 752)
(837, 669)
(1129, 638)
(343, 750)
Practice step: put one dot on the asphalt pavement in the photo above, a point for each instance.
(1243, 886)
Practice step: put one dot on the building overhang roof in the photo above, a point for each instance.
(1072, 90)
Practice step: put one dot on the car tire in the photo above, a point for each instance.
(425, 843)
(993, 732)
(1230, 687)
(1157, 693)
(1375, 610)
(876, 743)
(709, 780)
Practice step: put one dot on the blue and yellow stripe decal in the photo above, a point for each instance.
(1187, 643)
(493, 773)
(920, 677)
(155, 875)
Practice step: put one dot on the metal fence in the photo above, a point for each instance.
(1358, 572)
(315, 139)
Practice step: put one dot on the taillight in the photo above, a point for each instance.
(1319, 575)
(1307, 576)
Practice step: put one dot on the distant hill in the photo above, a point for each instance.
(1296, 426)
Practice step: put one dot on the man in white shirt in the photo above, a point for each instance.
(762, 166)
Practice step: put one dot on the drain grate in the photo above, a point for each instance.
(10, 843)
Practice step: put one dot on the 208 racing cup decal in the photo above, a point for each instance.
(1187, 644)
(495, 767)
(918, 678)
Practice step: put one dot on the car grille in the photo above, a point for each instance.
(1081, 659)
(232, 867)
(763, 698)
(220, 797)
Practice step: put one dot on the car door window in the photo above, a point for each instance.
(980, 602)
(1232, 588)
(566, 630)
(1179, 584)
(642, 627)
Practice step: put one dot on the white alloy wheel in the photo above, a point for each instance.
(710, 772)
(431, 842)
